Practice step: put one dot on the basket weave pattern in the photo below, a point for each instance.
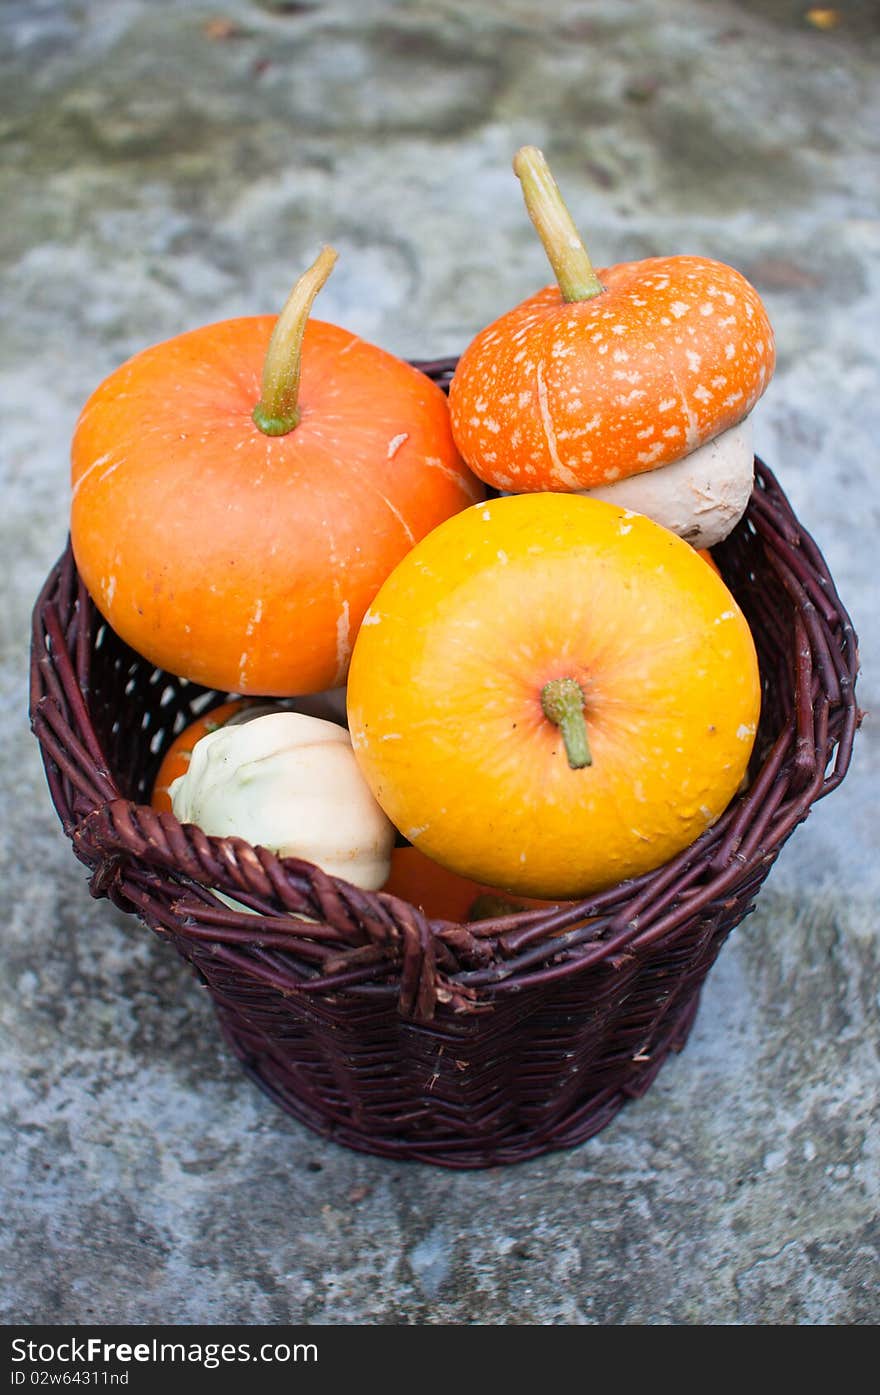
(463, 1045)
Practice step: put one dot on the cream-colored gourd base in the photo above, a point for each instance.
(700, 497)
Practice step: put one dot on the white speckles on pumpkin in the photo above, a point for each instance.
(679, 308)
(95, 465)
(396, 442)
(561, 474)
(343, 644)
(255, 618)
(648, 457)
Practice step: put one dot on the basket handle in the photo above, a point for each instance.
(119, 835)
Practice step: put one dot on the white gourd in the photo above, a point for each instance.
(288, 782)
(700, 497)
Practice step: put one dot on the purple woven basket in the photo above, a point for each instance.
(465, 1045)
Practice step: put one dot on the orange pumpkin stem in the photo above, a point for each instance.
(277, 411)
(562, 702)
(565, 251)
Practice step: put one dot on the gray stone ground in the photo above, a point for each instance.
(158, 173)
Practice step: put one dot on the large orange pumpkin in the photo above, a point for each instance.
(550, 695)
(236, 507)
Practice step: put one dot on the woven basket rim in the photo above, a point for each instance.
(375, 944)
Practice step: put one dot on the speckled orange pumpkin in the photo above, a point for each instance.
(608, 373)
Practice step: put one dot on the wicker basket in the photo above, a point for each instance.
(461, 1045)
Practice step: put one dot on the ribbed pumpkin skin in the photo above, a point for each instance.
(562, 395)
(444, 694)
(245, 561)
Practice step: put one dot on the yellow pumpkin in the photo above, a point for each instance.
(551, 694)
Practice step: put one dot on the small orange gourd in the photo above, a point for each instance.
(443, 895)
(550, 695)
(609, 373)
(241, 492)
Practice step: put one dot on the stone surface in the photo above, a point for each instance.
(166, 164)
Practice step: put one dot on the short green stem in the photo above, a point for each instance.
(277, 411)
(565, 251)
(562, 702)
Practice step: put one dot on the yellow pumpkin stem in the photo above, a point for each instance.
(565, 251)
(277, 411)
(562, 702)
